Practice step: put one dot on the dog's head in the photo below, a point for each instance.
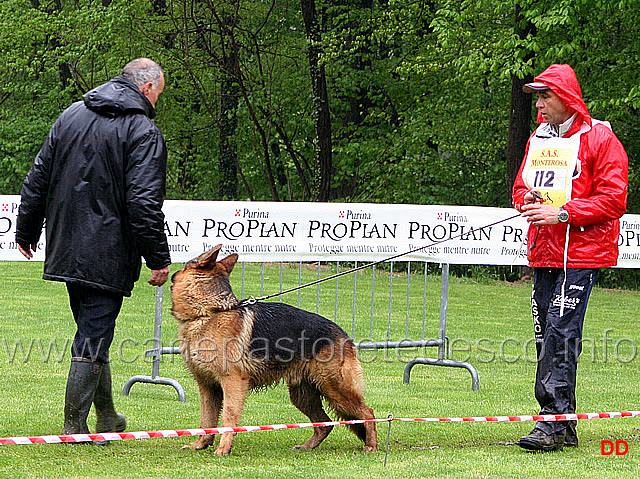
(202, 287)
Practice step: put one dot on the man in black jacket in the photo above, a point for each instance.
(99, 181)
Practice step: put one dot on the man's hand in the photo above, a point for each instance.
(27, 250)
(539, 215)
(533, 196)
(159, 276)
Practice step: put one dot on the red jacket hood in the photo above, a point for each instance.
(562, 80)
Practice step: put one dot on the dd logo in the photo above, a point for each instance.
(608, 447)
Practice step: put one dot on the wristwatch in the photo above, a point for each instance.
(563, 216)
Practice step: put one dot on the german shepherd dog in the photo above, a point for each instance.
(231, 348)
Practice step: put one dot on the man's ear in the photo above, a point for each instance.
(145, 88)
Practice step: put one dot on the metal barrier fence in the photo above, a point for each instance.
(400, 329)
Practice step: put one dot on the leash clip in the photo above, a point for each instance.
(537, 195)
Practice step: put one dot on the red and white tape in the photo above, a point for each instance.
(538, 417)
(117, 436)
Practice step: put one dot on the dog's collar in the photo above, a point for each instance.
(240, 304)
(246, 302)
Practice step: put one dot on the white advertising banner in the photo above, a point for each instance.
(279, 231)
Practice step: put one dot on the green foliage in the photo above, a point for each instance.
(51, 53)
(619, 278)
(419, 92)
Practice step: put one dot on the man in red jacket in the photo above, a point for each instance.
(572, 189)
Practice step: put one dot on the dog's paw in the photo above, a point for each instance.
(370, 448)
(222, 451)
(195, 447)
(301, 447)
(203, 442)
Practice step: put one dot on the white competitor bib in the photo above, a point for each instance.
(551, 165)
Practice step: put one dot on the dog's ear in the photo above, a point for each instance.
(229, 262)
(207, 260)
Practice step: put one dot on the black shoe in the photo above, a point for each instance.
(538, 440)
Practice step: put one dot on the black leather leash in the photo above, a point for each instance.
(253, 300)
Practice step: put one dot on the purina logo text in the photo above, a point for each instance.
(451, 217)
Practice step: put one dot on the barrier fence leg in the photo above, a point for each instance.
(475, 382)
(443, 340)
(156, 354)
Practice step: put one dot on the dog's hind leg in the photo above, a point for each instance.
(235, 388)
(308, 400)
(344, 393)
(350, 407)
(210, 406)
(367, 431)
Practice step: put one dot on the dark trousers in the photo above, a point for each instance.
(95, 312)
(558, 333)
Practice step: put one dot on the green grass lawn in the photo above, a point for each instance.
(489, 325)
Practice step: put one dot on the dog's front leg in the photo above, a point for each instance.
(235, 388)
(210, 406)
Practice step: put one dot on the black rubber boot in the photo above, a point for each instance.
(82, 382)
(571, 439)
(108, 420)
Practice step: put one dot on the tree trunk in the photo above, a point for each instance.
(520, 112)
(321, 102)
(519, 129)
(229, 93)
(519, 122)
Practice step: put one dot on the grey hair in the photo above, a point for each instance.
(141, 71)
